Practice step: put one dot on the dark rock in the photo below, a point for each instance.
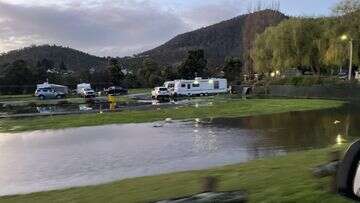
(212, 197)
(326, 170)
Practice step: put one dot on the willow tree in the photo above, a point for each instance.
(262, 53)
(292, 44)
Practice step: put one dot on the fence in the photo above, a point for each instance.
(343, 91)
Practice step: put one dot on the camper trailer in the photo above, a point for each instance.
(58, 88)
(199, 86)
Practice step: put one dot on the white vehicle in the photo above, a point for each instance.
(59, 88)
(170, 85)
(88, 93)
(85, 90)
(160, 93)
(199, 86)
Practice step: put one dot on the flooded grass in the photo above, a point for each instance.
(219, 108)
(281, 179)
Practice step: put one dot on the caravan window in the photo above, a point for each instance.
(196, 85)
(216, 85)
(183, 85)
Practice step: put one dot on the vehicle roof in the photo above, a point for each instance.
(200, 80)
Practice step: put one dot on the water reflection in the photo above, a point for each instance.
(43, 160)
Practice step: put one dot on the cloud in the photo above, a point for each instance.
(212, 12)
(102, 28)
(106, 27)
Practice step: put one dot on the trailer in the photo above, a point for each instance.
(59, 88)
(199, 86)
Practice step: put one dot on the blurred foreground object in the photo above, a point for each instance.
(329, 169)
(209, 186)
(212, 197)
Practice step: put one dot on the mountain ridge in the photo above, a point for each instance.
(228, 38)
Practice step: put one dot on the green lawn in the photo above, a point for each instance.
(139, 91)
(281, 179)
(219, 108)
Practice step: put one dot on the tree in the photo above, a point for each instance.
(295, 43)
(194, 65)
(168, 73)
(40, 73)
(116, 73)
(62, 67)
(48, 64)
(346, 7)
(18, 77)
(233, 69)
(149, 74)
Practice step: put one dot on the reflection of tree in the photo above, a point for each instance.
(295, 130)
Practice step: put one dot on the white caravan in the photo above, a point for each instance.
(199, 86)
(58, 88)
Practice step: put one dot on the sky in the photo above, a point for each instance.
(123, 27)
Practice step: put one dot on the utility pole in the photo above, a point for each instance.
(351, 58)
(347, 38)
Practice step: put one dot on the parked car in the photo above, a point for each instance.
(48, 93)
(160, 93)
(87, 93)
(343, 75)
(116, 90)
(80, 88)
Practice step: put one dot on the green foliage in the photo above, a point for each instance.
(149, 74)
(116, 73)
(194, 65)
(17, 78)
(307, 43)
(233, 69)
(347, 6)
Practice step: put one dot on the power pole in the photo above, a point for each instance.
(351, 58)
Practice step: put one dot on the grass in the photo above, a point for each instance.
(24, 99)
(139, 91)
(219, 108)
(281, 179)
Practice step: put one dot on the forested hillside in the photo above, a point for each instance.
(231, 38)
(60, 56)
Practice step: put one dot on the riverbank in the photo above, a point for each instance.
(217, 108)
(280, 179)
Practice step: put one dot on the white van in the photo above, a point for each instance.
(199, 86)
(85, 90)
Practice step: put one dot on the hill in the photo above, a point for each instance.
(233, 37)
(73, 59)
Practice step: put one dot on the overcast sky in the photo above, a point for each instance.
(122, 27)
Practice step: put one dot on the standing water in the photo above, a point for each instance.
(52, 159)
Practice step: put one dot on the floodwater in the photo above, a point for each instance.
(92, 106)
(53, 159)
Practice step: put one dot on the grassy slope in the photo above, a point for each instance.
(220, 108)
(281, 179)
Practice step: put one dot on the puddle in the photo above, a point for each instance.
(53, 159)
